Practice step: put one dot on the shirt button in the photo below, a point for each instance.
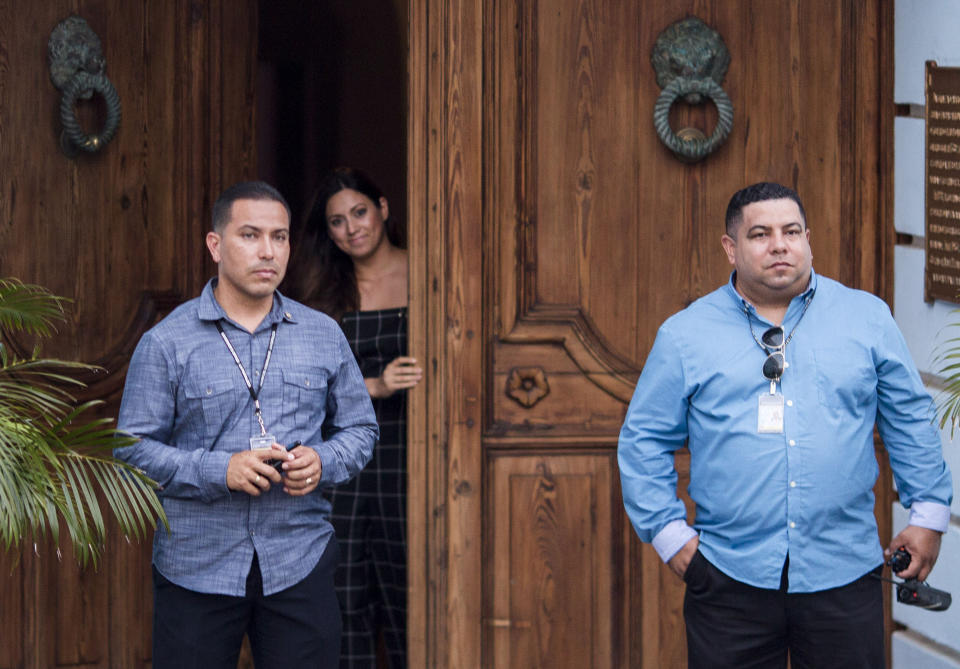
(306, 382)
(789, 403)
(793, 484)
(793, 443)
(792, 524)
(209, 391)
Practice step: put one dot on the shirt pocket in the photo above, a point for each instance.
(304, 399)
(208, 406)
(846, 378)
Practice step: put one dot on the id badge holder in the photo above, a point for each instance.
(770, 413)
(262, 441)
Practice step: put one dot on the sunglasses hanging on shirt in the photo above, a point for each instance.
(775, 363)
(773, 343)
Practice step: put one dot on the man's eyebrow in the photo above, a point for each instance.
(253, 227)
(766, 227)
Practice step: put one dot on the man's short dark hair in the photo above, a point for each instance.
(758, 192)
(244, 190)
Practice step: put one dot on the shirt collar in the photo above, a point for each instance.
(210, 310)
(743, 305)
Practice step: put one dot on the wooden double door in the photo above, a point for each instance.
(550, 233)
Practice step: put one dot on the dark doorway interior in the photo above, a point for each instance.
(331, 90)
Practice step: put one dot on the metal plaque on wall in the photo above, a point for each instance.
(942, 273)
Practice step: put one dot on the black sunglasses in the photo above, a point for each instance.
(773, 365)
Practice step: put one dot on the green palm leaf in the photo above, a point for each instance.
(948, 359)
(56, 465)
(28, 308)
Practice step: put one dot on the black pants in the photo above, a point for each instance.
(297, 627)
(734, 625)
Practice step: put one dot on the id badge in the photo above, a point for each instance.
(265, 441)
(770, 413)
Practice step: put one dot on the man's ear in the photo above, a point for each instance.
(730, 247)
(213, 245)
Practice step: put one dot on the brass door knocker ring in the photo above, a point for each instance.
(77, 69)
(690, 61)
(692, 145)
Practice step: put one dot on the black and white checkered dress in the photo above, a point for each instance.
(369, 511)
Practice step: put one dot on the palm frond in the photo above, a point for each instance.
(56, 464)
(25, 482)
(28, 308)
(947, 361)
(57, 478)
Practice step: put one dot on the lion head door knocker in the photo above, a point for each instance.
(77, 69)
(690, 60)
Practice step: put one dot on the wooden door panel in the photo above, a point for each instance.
(595, 233)
(554, 572)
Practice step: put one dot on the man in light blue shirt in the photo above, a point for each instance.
(775, 382)
(214, 392)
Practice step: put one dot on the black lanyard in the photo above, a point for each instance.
(255, 394)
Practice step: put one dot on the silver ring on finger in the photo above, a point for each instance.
(309, 480)
(257, 480)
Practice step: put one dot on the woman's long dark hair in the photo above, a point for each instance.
(322, 275)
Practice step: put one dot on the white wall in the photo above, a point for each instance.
(924, 30)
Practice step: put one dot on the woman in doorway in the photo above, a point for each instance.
(352, 265)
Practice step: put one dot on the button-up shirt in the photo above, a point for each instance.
(186, 400)
(807, 491)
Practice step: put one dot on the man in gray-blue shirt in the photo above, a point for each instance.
(775, 382)
(217, 393)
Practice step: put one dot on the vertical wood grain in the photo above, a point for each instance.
(418, 529)
(444, 188)
(426, 410)
(12, 600)
(463, 214)
(551, 577)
